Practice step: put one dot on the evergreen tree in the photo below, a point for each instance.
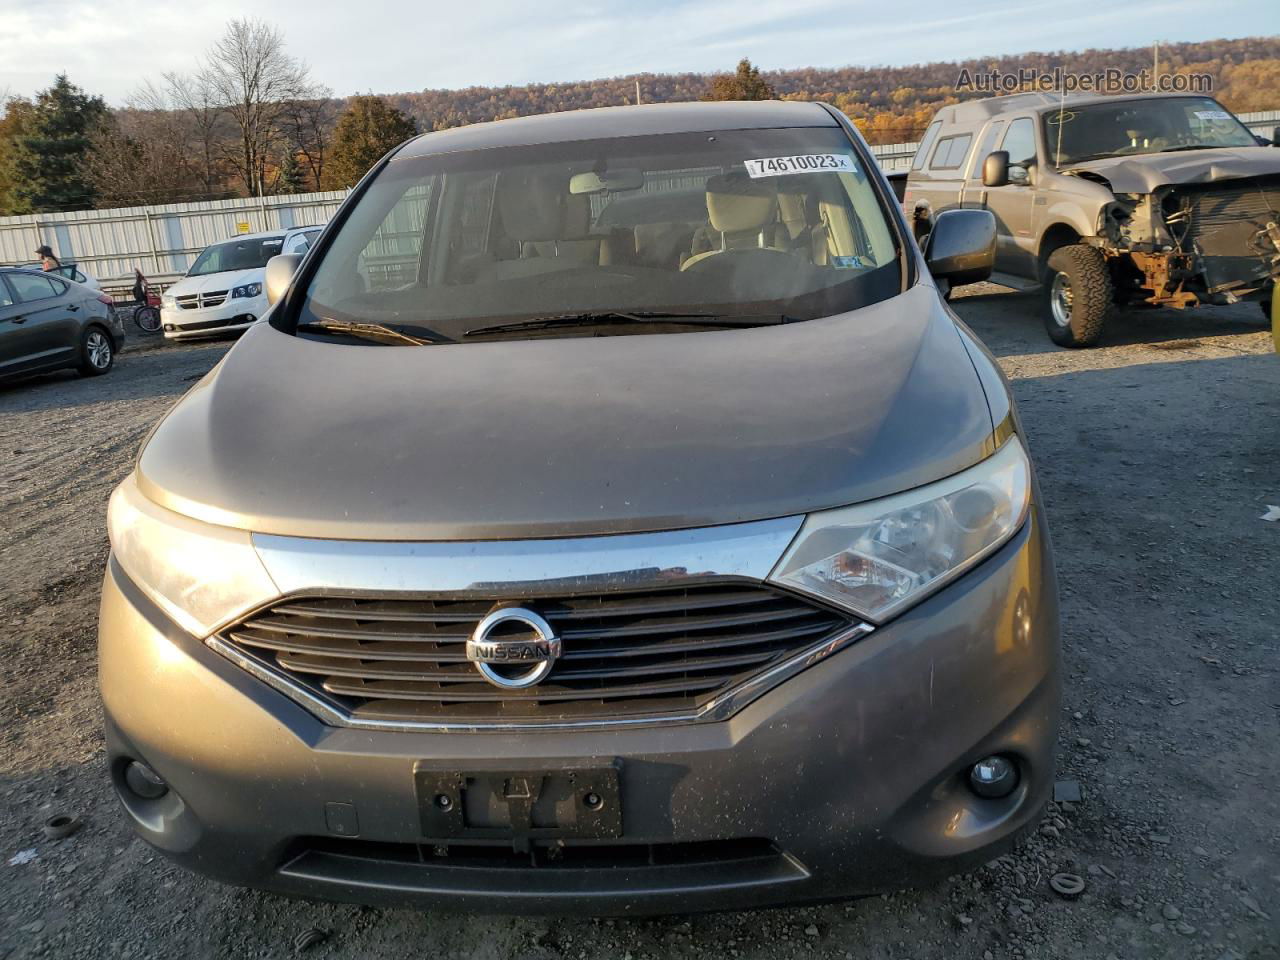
(291, 176)
(365, 132)
(52, 149)
(745, 84)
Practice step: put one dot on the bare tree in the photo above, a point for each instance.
(194, 97)
(251, 77)
(140, 156)
(307, 122)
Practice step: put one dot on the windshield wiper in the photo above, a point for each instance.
(626, 316)
(1194, 146)
(365, 331)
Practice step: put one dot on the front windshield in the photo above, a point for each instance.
(1129, 127)
(246, 254)
(733, 223)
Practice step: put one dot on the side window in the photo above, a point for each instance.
(926, 142)
(950, 152)
(298, 244)
(6, 298)
(393, 254)
(30, 288)
(1020, 141)
(985, 146)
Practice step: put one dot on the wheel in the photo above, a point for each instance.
(147, 319)
(1077, 292)
(96, 352)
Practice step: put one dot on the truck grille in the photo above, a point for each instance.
(636, 652)
(1228, 224)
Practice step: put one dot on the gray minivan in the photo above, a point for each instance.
(610, 517)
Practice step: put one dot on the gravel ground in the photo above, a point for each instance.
(1158, 454)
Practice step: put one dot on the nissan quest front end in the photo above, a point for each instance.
(611, 517)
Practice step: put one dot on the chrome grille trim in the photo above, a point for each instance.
(718, 708)
(618, 656)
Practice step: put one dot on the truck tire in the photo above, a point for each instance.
(1077, 295)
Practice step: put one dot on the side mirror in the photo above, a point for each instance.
(962, 246)
(280, 271)
(995, 169)
(1275, 136)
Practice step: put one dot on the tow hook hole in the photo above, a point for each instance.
(593, 801)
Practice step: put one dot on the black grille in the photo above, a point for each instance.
(1228, 224)
(653, 651)
(563, 855)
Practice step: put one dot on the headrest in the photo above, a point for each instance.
(736, 203)
(532, 205)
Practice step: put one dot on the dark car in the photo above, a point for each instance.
(559, 543)
(47, 323)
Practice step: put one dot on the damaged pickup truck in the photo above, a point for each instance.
(1165, 200)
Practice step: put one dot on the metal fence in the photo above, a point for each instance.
(164, 240)
(161, 240)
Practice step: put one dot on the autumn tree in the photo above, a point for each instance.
(744, 84)
(307, 126)
(365, 132)
(13, 122)
(52, 146)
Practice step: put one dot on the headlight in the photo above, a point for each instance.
(168, 301)
(248, 290)
(879, 557)
(202, 576)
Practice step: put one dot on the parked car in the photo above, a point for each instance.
(222, 292)
(47, 323)
(512, 566)
(1166, 200)
(69, 271)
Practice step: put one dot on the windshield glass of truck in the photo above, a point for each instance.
(235, 255)
(1077, 134)
(756, 223)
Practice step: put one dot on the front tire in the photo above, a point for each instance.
(1077, 295)
(97, 352)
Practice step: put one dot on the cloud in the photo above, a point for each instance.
(386, 46)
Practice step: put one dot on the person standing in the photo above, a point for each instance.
(48, 262)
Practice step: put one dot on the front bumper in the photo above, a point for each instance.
(232, 315)
(847, 779)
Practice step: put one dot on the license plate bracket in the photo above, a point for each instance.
(566, 801)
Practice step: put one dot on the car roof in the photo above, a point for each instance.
(971, 111)
(600, 122)
(261, 235)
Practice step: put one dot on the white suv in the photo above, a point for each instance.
(223, 289)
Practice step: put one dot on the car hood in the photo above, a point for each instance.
(571, 437)
(1143, 174)
(215, 281)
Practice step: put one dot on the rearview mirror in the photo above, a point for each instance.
(1275, 136)
(995, 169)
(962, 246)
(279, 274)
(610, 180)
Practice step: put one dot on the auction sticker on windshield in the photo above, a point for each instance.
(804, 163)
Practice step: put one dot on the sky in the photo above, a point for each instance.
(110, 47)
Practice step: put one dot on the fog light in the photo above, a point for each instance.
(144, 781)
(993, 777)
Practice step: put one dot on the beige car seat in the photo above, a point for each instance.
(739, 210)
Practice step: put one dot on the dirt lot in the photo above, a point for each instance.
(1158, 454)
